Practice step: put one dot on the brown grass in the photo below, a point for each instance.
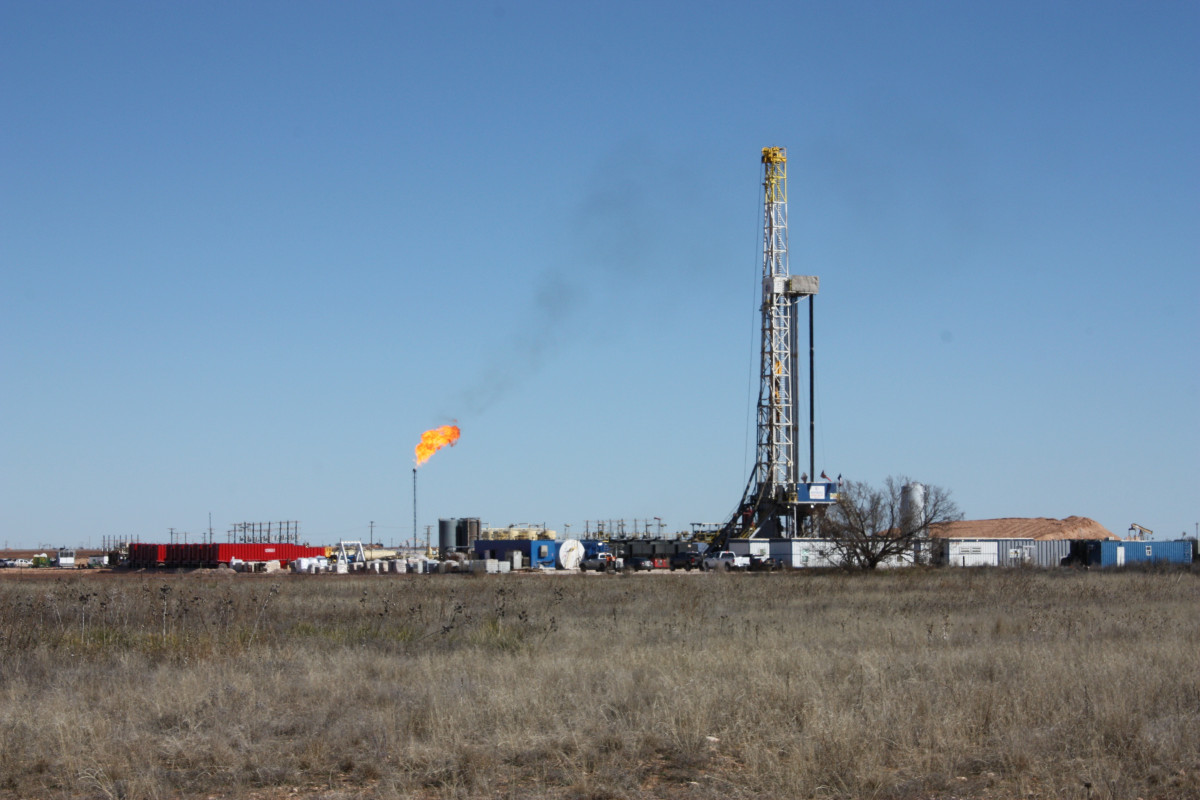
(901, 685)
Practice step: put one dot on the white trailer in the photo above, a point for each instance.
(972, 553)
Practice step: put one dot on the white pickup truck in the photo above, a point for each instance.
(726, 560)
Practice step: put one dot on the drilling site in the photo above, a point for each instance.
(782, 520)
(791, 669)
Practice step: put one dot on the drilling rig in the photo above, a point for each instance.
(781, 499)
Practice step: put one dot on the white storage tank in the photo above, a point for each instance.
(912, 506)
(570, 554)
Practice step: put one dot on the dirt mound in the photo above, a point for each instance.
(1023, 528)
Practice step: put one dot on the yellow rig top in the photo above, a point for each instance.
(774, 155)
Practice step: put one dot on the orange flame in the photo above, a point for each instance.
(434, 440)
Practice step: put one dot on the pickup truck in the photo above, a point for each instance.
(726, 560)
(686, 560)
(601, 562)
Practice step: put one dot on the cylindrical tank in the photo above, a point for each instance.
(570, 554)
(447, 533)
(467, 532)
(912, 506)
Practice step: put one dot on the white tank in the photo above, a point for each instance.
(912, 506)
(570, 554)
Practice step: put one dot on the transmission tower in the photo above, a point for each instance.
(780, 496)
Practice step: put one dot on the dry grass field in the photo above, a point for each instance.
(902, 685)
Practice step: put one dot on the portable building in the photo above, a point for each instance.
(1119, 554)
(970, 553)
(794, 553)
(1002, 552)
(543, 553)
(1015, 553)
(805, 553)
(760, 548)
(1009, 552)
(802, 553)
(1051, 552)
(537, 553)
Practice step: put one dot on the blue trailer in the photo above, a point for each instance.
(535, 553)
(1119, 554)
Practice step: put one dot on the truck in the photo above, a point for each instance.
(688, 560)
(726, 560)
(602, 561)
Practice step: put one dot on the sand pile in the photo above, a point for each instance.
(1023, 528)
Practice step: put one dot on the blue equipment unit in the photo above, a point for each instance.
(817, 492)
(1117, 554)
(535, 552)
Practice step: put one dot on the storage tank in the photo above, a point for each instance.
(447, 535)
(912, 506)
(466, 532)
(570, 554)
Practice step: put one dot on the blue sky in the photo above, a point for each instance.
(251, 251)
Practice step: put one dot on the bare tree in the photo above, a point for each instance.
(871, 525)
